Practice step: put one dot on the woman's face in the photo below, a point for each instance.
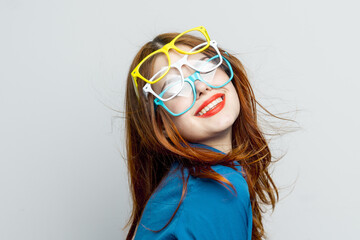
(197, 125)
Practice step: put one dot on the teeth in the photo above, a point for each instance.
(210, 106)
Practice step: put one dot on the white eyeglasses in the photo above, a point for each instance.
(202, 62)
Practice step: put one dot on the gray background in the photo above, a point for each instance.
(62, 69)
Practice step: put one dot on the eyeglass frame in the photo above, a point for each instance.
(165, 49)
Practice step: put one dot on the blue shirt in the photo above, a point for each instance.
(208, 211)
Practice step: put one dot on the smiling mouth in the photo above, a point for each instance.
(211, 106)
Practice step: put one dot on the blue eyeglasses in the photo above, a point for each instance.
(186, 97)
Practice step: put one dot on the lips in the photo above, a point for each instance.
(213, 111)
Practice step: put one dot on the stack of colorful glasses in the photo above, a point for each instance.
(172, 84)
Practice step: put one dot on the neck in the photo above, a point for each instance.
(221, 142)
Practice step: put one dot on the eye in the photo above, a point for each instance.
(171, 89)
(204, 64)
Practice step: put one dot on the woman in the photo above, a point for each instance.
(192, 131)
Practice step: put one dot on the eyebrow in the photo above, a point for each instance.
(168, 81)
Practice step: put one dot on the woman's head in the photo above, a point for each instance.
(200, 122)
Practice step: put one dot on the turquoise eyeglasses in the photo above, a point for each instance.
(186, 91)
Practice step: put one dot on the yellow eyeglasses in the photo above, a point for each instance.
(141, 70)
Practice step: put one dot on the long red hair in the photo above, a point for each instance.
(153, 143)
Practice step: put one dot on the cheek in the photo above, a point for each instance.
(233, 99)
(180, 125)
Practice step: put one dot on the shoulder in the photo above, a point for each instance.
(209, 203)
(206, 203)
(210, 195)
(170, 189)
(216, 192)
(161, 206)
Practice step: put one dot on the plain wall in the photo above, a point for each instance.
(63, 66)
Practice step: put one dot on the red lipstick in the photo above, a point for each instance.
(213, 111)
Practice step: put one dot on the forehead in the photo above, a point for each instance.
(161, 60)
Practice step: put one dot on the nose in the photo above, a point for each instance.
(201, 88)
